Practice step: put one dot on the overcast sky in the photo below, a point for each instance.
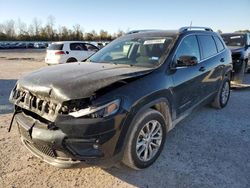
(111, 15)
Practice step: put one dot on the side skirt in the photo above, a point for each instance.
(190, 110)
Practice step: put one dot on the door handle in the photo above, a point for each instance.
(222, 60)
(202, 69)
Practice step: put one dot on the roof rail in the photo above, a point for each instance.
(183, 29)
(139, 31)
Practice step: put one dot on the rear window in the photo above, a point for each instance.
(55, 47)
(219, 44)
(207, 45)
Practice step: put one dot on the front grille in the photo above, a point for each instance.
(43, 148)
(236, 57)
(24, 133)
(28, 101)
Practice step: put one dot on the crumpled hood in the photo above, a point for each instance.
(236, 49)
(76, 80)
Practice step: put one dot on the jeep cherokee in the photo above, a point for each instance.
(120, 104)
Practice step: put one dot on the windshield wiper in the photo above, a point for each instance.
(131, 65)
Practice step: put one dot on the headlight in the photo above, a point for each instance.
(98, 112)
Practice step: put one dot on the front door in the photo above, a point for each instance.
(187, 79)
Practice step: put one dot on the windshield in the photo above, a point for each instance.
(142, 51)
(234, 40)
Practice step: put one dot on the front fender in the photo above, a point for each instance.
(158, 100)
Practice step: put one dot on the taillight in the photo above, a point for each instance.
(59, 53)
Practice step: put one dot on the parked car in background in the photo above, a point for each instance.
(69, 51)
(239, 43)
(29, 45)
(40, 45)
(120, 104)
(20, 45)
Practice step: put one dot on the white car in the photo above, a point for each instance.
(69, 51)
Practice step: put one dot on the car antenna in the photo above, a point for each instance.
(190, 25)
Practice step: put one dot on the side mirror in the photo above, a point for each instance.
(247, 46)
(184, 61)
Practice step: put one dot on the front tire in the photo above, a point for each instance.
(223, 95)
(146, 140)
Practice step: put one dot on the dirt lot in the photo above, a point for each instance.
(211, 148)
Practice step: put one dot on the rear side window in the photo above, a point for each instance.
(55, 47)
(91, 47)
(78, 47)
(207, 45)
(189, 47)
(219, 44)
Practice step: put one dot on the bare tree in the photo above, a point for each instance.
(9, 29)
(50, 27)
(31, 30)
(37, 24)
(1, 28)
(21, 27)
(63, 33)
(78, 34)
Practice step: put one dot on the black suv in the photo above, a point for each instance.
(239, 43)
(120, 103)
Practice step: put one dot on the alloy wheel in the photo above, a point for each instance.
(149, 140)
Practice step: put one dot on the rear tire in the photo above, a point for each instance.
(146, 140)
(71, 60)
(223, 95)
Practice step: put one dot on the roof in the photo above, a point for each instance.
(236, 33)
(155, 32)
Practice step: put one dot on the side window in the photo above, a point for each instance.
(207, 45)
(219, 44)
(91, 47)
(78, 47)
(189, 47)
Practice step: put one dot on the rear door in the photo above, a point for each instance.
(80, 51)
(211, 63)
(187, 80)
(76, 50)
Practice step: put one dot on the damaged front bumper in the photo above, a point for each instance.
(71, 142)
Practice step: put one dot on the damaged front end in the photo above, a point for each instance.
(44, 107)
(65, 132)
(68, 133)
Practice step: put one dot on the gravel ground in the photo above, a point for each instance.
(210, 148)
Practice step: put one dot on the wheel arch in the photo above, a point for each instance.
(227, 73)
(71, 58)
(161, 105)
